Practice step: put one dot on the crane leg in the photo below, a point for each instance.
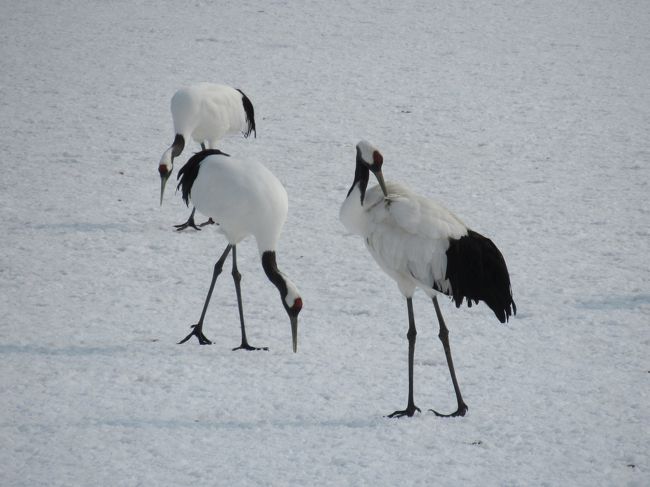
(411, 335)
(237, 278)
(444, 338)
(197, 330)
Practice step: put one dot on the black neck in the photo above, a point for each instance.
(271, 269)
(178, 145)
(361, 176)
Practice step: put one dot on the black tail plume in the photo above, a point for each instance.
(477, 272)
(250, 114)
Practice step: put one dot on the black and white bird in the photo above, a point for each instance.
(246, 199)
(421, 244)
(205, 112)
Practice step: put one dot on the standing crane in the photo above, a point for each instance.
(206, 112)
(421, 244)
(246, 199)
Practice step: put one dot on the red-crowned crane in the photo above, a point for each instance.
(421, 244)
(246, 199)
(205, 112)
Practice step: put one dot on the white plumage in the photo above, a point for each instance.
(205, 113)
(407, 235)
(421, 244)
(246, 199)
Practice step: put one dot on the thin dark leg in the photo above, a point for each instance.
(202, 146)
(237, 278)
(444, 338)
(411, 335)
(197, 330)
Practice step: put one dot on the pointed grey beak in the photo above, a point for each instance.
(380, 178)
(294, 332)
(164, 176)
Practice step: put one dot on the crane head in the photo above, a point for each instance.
(289, 294)
(369, 156)
(166, 165)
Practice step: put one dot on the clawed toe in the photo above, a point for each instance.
(249, 348)
(461, 411)
(210, 221)
(198, 333)
(409, 411)
(189, 223)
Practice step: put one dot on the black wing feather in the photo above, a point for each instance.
(190, 171)
(477, 272)
(250, 114)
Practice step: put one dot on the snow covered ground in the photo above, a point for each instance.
(530, 120)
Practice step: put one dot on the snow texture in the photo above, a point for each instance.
(529, 120)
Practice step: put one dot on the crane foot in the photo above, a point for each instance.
(210, 221)
(198, 333)
(246, 346)
(409, 411)
(461, 411)
(189, 223)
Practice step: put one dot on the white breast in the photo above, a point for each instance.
(407, 235)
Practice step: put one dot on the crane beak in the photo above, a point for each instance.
(294, 332)
(380, 178)
(164, 176)
(163, 181)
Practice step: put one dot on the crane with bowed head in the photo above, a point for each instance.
(246, 199)
(206, 113)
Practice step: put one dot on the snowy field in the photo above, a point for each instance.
(530, 120)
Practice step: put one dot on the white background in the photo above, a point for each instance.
(530, 120)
